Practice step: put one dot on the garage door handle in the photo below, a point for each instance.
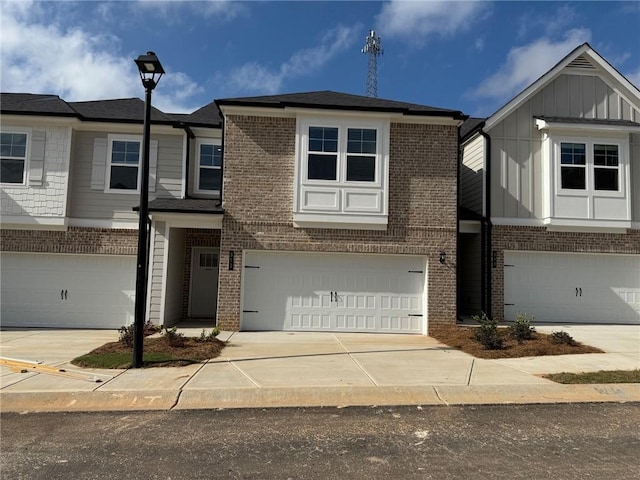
(249, 311)
(63, 294)
(414, 315)
(578, 292)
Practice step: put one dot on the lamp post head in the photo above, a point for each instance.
(150, 69)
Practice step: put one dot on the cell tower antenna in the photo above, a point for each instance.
(372, 47)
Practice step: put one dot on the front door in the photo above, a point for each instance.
(204, 282)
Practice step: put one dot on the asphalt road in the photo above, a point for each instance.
(579, 441)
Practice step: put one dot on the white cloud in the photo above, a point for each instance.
(257, 78)
(527, 63)
(224, 9)
(417, 20)
(40, 56)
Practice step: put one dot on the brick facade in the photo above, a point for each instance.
(258, 201)
(79, 240)
(538, 239)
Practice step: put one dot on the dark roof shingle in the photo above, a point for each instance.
(207, 116)
(470, 125)
(339, 101)
(130, 110)
(35, 104)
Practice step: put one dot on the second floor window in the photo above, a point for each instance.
(209, 167)
(13, 156)
(581, 161)
(124, 165)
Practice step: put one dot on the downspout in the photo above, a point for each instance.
(187, 158)
(458, 203)
(222, 161)
(487, 251)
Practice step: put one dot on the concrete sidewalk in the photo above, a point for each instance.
(285, 369)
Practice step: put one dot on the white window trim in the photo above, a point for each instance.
(27, 153)
(205, 141)
(107, 177)
(342, 217)
(589, 142)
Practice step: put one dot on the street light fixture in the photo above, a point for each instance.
(151, 71)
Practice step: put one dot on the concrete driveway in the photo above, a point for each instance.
(295, 369)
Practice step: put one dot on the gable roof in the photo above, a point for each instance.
(583, 57)
(207, 116)
(339, 101)
(469, 126)
(128, 110)
(35, 104)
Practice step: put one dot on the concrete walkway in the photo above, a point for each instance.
(283, 369)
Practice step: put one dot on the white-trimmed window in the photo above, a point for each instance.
(123, 164)
(209, 169)
(590, 167)
(341, 172)
(13, 157)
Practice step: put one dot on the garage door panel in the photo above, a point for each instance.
(583, 288)
(332, 292)
(67, 291)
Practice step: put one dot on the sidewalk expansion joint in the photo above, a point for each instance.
(371, 379)
(246, 375)
(176, 401)
(102, 384)
(189, 379)
(473, 361)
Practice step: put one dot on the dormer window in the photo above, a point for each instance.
(341, 179)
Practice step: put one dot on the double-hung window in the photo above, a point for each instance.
(590, 166)
(123, 164)
(342, 173)
(13, 157)
(209, 171)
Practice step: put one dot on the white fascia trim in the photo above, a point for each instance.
(255, 111)
(188, 220)
(599, 224)
(518, 222)
(469, 226)
(127, 128)
(212, 132)
(102, 223)
(21, 221)
(29, 120)
(548, 125)
(342, 221)
(534, 87)
(427, 120)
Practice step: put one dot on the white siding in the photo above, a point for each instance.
(634, 154)
(516, 162)
(96, 204)
(159, 246)
(472, 175)
(49, 199)
(175, 274)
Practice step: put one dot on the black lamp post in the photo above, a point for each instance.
(150, 72)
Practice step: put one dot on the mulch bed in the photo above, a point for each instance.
(463, 339)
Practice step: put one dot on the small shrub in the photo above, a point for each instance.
(561, 337)
(126, 335)
(127, 332)
(521, 329)
(487, 333)
(174, 338)
(209, 337)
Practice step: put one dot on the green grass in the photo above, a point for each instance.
(123, 360)
(603, 376)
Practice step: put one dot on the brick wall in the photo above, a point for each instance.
(538, 239)
(95, 241)
(258, 202)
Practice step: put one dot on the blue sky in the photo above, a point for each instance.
(471, 56)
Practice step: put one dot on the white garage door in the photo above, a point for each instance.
(333, 292)
(566, 287)
(69, 291)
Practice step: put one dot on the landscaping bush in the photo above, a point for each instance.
(173, 338)
(209, 337)
(487, 333)
(562, 337)
(521, 329)
(127, 332)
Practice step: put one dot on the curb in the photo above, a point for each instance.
(100, 401)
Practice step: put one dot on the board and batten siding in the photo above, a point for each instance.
(86, 202)
(516, 143)
(472, 175)
(634, 156)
